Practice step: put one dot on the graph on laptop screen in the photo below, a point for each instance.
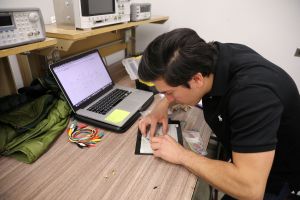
(83, 77)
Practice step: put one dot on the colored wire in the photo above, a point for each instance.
(85, 137)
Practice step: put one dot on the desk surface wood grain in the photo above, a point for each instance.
(109, 171)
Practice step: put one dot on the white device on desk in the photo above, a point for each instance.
(140, 11)
(21, 26)
(88, 14)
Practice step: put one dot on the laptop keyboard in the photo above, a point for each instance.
(105, 104)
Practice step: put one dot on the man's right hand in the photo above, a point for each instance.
(158, 115)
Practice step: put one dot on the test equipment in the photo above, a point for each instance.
(88, 14)
(21, 26)
(140, 11)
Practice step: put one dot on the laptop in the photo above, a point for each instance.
(92, 94)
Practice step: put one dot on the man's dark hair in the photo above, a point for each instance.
(176, 56)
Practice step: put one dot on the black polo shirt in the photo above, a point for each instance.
(254, 106)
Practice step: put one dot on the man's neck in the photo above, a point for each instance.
(208, 83)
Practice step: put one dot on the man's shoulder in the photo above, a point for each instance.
(235, 47)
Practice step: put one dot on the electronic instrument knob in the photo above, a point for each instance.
(33, 17)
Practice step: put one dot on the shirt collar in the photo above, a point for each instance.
(221, 71)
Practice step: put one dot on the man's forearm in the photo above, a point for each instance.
(222, 175)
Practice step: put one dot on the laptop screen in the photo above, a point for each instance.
(83, 77)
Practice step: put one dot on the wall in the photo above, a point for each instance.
(271, 27)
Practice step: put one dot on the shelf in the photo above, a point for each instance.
(28, 47)
(70, 33)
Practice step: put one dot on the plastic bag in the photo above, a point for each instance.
(195, 142)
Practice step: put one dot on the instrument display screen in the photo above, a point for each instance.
(5, 20)
(101, 7)
(145, 8)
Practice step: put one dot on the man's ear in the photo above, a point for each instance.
(197, 80)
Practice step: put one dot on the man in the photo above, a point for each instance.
(252, 105)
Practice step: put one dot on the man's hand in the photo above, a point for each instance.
(158, 115)
(167, 148)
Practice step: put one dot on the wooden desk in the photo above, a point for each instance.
(28, 47)
(69, 32)
(108, 171)
(6, 78)
(108, 39)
